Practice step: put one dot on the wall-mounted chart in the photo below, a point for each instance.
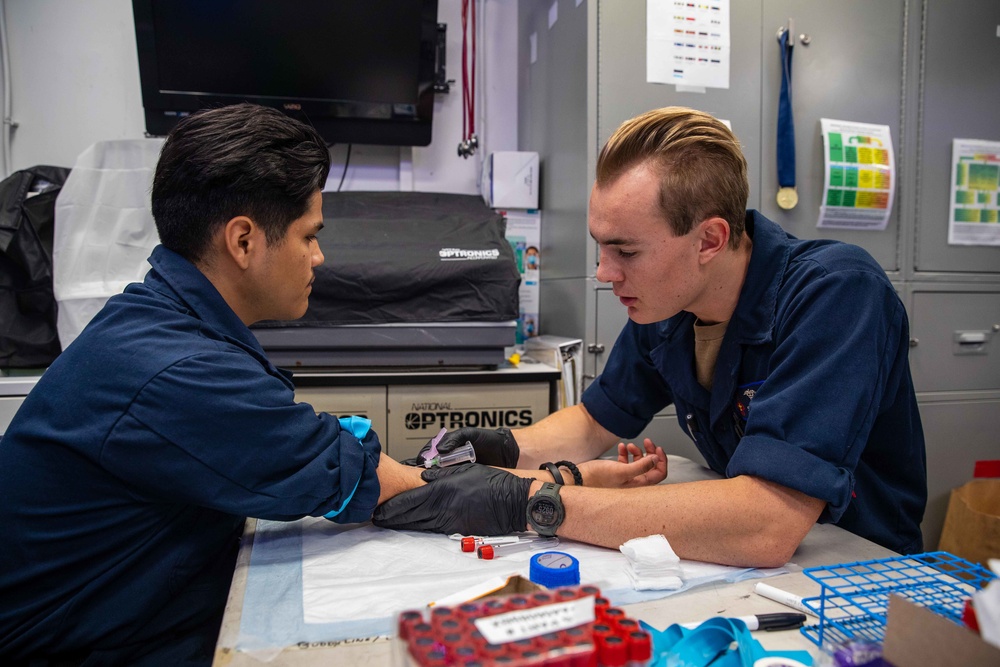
(974, 213)
(859, 175)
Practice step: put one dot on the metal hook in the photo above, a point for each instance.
(804, 38)
(790, 28)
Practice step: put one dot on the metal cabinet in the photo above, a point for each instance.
(960, 98)
(849, 65)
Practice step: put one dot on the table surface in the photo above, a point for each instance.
(824, 545)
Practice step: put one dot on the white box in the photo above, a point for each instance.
(510, 179)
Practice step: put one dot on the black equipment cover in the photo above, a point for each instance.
(28, 336)
(410, 257)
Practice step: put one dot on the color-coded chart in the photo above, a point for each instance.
(859, 165)
(688, 43)
(975, 193)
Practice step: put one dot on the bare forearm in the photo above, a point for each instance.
(743, 521)
(394, 478)
(570, 434)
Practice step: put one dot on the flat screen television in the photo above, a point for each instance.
(359, 71)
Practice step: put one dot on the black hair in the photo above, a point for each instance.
(242, 159)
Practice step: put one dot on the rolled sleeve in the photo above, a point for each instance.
(809, 422)
(796, 468)
(357, 504)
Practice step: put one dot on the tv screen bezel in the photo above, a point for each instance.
(335, 120)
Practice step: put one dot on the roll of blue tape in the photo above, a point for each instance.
(553, 569)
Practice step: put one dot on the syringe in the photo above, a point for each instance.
(464, 454)
(491, 551)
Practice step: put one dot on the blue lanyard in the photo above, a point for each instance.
(786, 124)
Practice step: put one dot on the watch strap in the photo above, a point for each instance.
(569, 465)
(553, 470)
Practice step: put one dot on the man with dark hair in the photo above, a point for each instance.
(126, 475)
(786, 360)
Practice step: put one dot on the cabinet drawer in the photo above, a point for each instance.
(956, 344)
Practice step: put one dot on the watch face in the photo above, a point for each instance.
(544, 512)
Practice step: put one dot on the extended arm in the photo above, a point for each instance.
(744, 521)
(570, 434)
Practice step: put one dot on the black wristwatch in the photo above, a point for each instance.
(545, 510)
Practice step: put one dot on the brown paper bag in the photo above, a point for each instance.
(972, 525)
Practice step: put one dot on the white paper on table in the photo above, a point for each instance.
(361, 572)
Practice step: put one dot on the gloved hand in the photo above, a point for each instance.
(470, 499)
(493, 448)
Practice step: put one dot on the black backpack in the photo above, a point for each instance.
(28, 335)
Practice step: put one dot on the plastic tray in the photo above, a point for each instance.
(854, 597)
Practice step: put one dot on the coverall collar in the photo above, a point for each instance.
(173, 275)
(752, 322)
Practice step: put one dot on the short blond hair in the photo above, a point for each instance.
(703, 172)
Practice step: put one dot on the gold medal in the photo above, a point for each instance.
(787, 198)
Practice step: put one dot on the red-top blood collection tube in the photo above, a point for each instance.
(541, 597)
(433, 658)
(627, 626)
(612, 615)
(492, 651)
(612, 651)
(468, 610)
(407, 620)
(471, 543)
(441, 614)
(602, 630)
(421, 644)
(565, 594)
(422, 629)
(640, 647)
(463, 654)
(601, 604)
(493, 606)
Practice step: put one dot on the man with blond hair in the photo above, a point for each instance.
(786, 360)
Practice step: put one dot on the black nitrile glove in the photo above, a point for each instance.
(470, 499)
(493, 448)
